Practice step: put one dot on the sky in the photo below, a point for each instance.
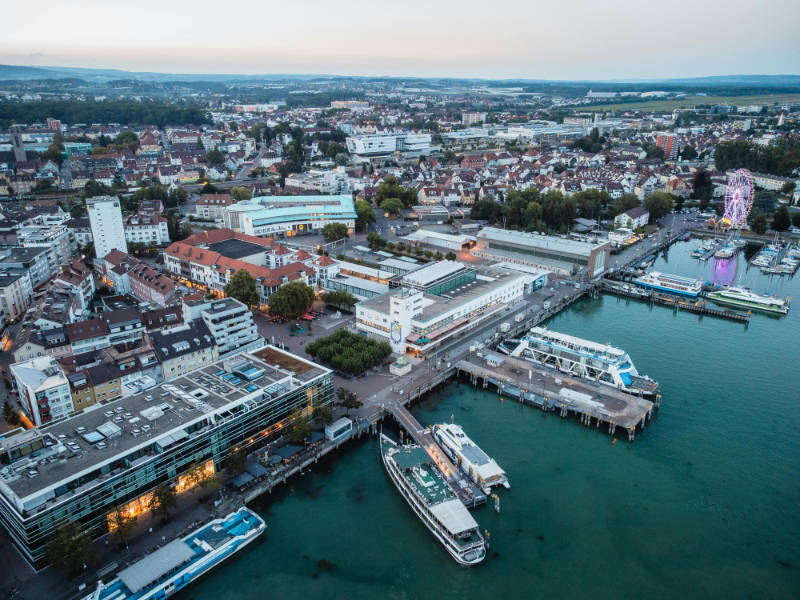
(557, 39)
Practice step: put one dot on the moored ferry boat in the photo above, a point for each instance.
(415, 476)
(482, 469)
(602, 363)
(744, 298)
(686, 286)
(175, 565)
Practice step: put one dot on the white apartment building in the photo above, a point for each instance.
(146, 229)
(57, 240)
(230, 322)
(108, 232)
(43, 389)
(16, 293)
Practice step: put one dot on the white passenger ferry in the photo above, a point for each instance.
(602, 363)
(175, 565)
(675, 284)
(744, 298)
(483, 470)
(417, 479)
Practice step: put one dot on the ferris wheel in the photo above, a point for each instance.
(738, 199)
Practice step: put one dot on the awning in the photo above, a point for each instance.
(242, 479)
(155, 565)
(454, 516)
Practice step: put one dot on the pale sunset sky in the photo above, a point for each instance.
(562, 39)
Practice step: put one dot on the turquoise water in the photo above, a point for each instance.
(704, 504)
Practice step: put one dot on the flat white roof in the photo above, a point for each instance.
(434, 272)
(153, 566)
(454, 516)
(421, 234)
(557, 244)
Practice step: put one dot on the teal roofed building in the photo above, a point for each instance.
(287, 216)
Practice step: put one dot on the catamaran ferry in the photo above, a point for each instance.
(413, 473)
(675, 284)
(583, 358)
(744, 298)
(483, 470)
(175, 565)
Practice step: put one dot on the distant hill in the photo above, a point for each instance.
(15, 72)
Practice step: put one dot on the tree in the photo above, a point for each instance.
(781, 221)
(239, 193)
(242, 287)
(215, 157)
(702, 188)
(348, 399)
(796, 219)
(121, 524)
(323, 414)
(450, 256)
(235, 463)
(764, 202)
(291, 300)
(658, 204)
(622, 204)
(53, 153)
(298, 428)
(161, 500)
(340, 299)
(688, 153)
(390, 188)
(70, 550)
(392, 206)
(375, 241)
(364, 213)
(788, 187)
(334, 232)
(349, 352)
(758, 224)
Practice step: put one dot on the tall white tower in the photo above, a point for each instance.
(105, 217)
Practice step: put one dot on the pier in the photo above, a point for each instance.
(594, 404)
(675, 302)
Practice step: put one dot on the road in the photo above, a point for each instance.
(256, 162)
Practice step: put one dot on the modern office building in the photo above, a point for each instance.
(438, 302)
(43, 389)
(287, 216)
(84, 468)
(555, 254)
(108, 231)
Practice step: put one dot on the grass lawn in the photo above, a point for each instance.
(690, 101)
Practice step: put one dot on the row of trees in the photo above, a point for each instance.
(391, 188)
(349, 352)
(781, 157)
(113, 111)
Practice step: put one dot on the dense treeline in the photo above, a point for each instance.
(779, 158)
(122, 112)
(349, 352)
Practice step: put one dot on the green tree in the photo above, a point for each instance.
(788, 187)
(239, 193)
(688, 153)
(334, 232)
(702, 188)
(758, 224)
(450, 256)
(298, 428)
(764, 202)
(324, 414)
(215, 157)
(390, 188)
(364, 213)
(242, 287)
(658, 204)
(291, 300)
(622, 204)
(161, 500)
(70, 550)
(375, 241)
(781, 220)
(235, 463)
(340, 299)
(796, 219)
(348, 399)
(392, 206)
(53, 153)
(121, 524)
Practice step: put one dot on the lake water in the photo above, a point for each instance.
(704, 504)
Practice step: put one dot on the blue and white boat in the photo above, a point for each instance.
(601, 363)
(674, 284)
(175, 565)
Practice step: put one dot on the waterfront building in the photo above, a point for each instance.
(84, 468)
(555, 254)
(108, 231)
(632, 219)
(438, 302)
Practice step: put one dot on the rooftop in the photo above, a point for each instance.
(556, 244)
(155, 417)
